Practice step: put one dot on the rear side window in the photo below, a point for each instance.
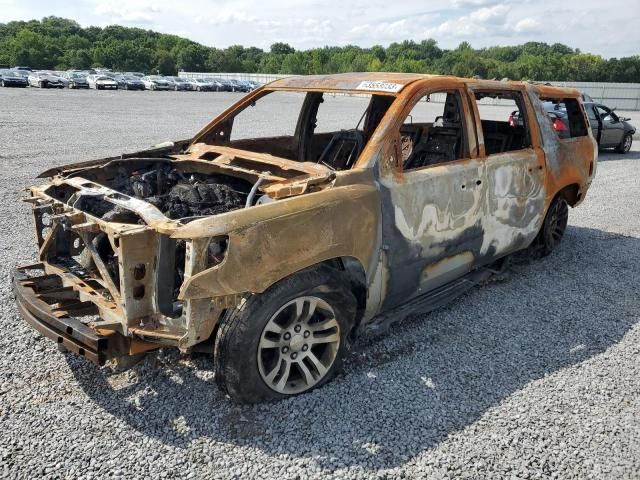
(566, 117)
(502, 131)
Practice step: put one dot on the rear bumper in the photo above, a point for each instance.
(52, 320)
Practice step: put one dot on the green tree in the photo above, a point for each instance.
(280, 48)
(192, 58)
(165, 63)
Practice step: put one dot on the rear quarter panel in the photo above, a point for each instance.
(570, 161)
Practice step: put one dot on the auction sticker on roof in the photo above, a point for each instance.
(380, 86)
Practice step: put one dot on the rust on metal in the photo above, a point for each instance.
(156, 245)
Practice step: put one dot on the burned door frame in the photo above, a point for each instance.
(515, 200)
(431, 215)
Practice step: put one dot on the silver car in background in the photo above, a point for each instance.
(102, 82)
(76, 79)
(156, 82)
(203, 85)
(45, 80)
(180, 84)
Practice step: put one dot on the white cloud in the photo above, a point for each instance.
(480, 21)
(135, 11)
(471, 3)
(493, 15)
(527, 24)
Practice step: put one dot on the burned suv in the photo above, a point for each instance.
(313, 208)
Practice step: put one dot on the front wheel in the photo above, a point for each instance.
(286, 341)
(625, 144)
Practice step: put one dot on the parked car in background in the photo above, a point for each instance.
(179, 83)
(62, 76)
(203, 85)
(610, 130)
(128, 82)
(156, 82)
(26, 69)
(11, 78)
(224, 85)
(23, 73)
(248, 87)
(102, 82)
(76, 79)
(135, 74)
(45, 80)
(238, 86)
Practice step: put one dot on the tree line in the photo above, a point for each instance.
(58, 43)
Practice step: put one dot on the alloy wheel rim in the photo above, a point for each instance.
(627, 143)
(298, 345)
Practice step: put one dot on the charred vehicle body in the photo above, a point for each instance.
(272, 250)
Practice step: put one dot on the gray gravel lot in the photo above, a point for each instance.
(536, 376)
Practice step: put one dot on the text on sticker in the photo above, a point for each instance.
(380, 86)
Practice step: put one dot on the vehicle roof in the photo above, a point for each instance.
(352, 82)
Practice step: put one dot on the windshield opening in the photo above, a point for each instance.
(326, 128)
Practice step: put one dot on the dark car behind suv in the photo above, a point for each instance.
(10, 78)
(609, 130)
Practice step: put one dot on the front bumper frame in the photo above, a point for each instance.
(67, 331)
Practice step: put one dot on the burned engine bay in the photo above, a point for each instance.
(184, 187)
(182, 195)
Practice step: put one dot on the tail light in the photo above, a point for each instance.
(559, 126)
(512, 122)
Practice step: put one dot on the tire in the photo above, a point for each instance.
(40, 85)
(299, 351)
(554, 226)
(3, 85)
(625, 143)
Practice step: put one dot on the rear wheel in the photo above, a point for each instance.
(288, 340)
(554, 226)
(625, 144)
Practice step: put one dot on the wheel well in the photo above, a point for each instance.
(571, 194)
(357, 276)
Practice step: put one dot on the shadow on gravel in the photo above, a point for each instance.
(403, 393)
(610, 155)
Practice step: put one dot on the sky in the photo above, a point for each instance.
(610, 29)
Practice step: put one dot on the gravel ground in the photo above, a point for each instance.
(533, 376)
